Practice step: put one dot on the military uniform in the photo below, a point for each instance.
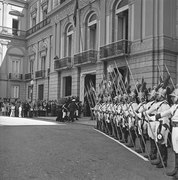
(173, 113)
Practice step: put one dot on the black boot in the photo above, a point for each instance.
(132, 139)
(163, 151)
(175, 171)
(125, 133)
(153, 153)
(119, 133)
(141, 149)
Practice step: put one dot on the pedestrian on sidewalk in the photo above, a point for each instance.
(20, 110)
(72, 108)
(12, 114)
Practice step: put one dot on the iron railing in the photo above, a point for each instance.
(85, 57)
(12, 32)
(15, 76)
(115, 49)
(28, 76)
(38, 26)
(63, 63)
(40, 74)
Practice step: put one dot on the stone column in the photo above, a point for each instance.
(4, 23)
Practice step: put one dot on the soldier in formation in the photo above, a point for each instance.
(140, 116)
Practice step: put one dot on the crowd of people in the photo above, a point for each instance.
(66, 109)
(142, 115)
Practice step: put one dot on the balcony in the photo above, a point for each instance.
(64, 63)
(40, 74)
(15, 76)
(38, 26)
(118, 48)
(86, 57)
(28, 76)
(12, 32)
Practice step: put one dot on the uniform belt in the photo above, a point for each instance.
(174, 124)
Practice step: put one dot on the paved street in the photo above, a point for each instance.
(45, 150)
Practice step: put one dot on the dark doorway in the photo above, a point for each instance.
(89, 93)
(40, 91)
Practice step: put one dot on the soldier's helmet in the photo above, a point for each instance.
(161, 90)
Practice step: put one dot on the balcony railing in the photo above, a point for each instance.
(28, 76)
(15, 76)
(63, 63)
(38, 26)
(85, 57)
(40, 74)
(115, 49)
(12, 32)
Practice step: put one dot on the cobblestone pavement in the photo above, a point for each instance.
(43, 149)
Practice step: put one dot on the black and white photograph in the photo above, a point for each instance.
(88, 89)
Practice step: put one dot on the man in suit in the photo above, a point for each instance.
(72, 108)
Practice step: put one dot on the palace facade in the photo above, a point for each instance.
(46, 53)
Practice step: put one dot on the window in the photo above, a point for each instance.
(15, 92)
(31, 66)
(93, 36)
(44, 14)
(122, 25)
(91, 32)
(16, 66)
(68, 86)
(122, 20)
(33, 21)
(15, 25)
(43, 62)
(68, 41)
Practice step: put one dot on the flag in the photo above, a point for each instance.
(126, 82)
(75, 12)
